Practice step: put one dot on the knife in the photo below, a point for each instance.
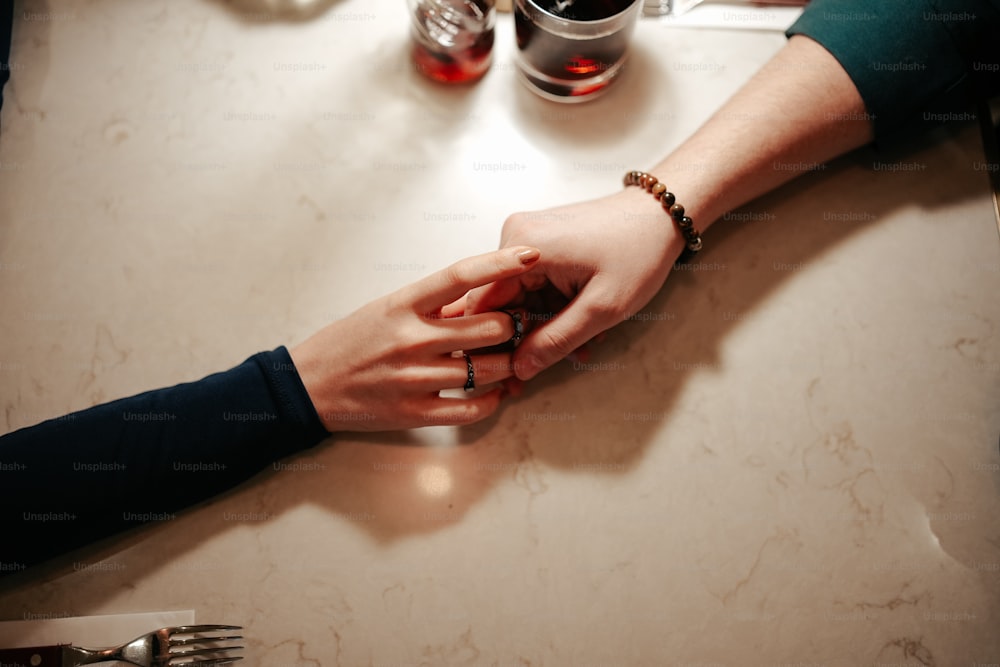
(35, 656)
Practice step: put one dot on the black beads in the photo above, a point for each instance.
(692, 239)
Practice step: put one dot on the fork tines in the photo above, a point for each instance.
(206, 645)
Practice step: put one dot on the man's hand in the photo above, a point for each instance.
(603, 259)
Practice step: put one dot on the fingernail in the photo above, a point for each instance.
(527, 368)
(528, 255)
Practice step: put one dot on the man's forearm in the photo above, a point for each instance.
(800, 110)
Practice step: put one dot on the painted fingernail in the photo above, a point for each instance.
(528, 255)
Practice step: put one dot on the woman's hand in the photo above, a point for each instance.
(382, 367)
(604, 260)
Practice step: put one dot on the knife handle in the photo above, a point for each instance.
(34, 656)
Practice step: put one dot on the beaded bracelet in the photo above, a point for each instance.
(676, 212)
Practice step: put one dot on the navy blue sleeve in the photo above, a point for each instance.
(6, 23)
(90, 474)
(916, 63)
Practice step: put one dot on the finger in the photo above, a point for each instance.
(580, 321)
(472, 332)
(521, 322)
(513, 387)
(494, 296)
(439, 289)
(441, 411)
(487, 369)
(451, 372)
(454, 309)
(581, 354)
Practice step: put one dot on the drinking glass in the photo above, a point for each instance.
(572, 50)
(452, 40)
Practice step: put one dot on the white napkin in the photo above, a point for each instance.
(89, 631)
(736, 16)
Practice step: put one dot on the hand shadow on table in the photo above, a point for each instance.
(594, 418)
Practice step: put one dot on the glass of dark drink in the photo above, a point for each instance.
(572, 50)
(452, 40)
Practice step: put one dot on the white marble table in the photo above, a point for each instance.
(790, 459)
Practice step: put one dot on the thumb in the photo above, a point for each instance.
(580, 321)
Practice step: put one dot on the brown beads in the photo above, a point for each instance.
(676, 212)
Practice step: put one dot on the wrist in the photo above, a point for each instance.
(646, 221)
(705, 187)
(308, 363)
(674, 211)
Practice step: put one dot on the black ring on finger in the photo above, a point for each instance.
(518, 327)
(470, 382)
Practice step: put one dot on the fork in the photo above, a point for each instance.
(166, 647)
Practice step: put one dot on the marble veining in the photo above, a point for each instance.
(789, 458)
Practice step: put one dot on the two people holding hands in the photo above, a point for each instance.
(590, 265)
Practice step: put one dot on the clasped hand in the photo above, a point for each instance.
(384, 366)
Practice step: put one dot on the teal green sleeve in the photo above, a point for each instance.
(916, 63)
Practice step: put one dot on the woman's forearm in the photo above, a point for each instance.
(94, 473)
